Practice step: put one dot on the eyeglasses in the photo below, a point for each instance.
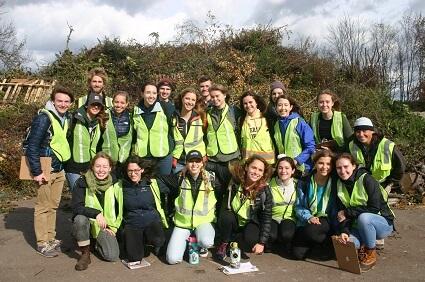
(135, 171)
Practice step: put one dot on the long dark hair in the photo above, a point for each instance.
(295, 106)
(147, 165)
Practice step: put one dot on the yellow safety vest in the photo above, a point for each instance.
(312, 197)
(292, 147)
(282, 208)
(84, 142)
(82, 101)
(242, 208)
(194, 139)
(336, 128)
(118, 148)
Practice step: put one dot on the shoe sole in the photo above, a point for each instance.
(47, 256)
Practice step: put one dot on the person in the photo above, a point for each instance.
(255, 135)
(194, 190)
(165, 87)
(330, 126)
(277, 88)
(284, 193)
(221, 141)
(97, 204)
(292, 135)
(205, 84)
(144, 218)
(47, 138)
(118, 134)
(315, 205)
(96, 80)
(376, 153)
(363, 211)
(152, 136)
(87, 126)
(187, 128)
(247, 207)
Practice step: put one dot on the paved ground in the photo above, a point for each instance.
(402, 259)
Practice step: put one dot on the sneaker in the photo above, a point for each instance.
(56, 244)
(221, 251)
(203, 252)
(380, 244)
(46, 250)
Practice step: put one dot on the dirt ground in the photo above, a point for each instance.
(402, 259)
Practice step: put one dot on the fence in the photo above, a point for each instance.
(26, 90)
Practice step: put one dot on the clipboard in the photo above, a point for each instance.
(346, 255)
(25, 172)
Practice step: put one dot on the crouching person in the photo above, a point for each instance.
(97, 203)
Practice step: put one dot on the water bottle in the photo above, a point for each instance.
(235, 255)
(193, 250)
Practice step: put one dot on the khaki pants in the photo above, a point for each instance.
(48, 199)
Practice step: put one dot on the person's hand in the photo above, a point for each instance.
(314, 220)
(341, 216)
(343, 238)
(101, 221)
(174, 163)
(258, 249)
(110, 232)
(40, 179)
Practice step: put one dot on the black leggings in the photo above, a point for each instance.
(282, 232)
(136, 238)
(308, 236)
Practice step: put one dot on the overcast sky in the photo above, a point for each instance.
(43, 24)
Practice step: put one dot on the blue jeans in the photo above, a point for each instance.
(176, 247)
(369, 228)
(179, 167)
(72, 178)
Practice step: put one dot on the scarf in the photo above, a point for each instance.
(95, 185)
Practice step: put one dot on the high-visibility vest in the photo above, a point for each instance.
(118, 148)
(282, 208)
(261, 144)
(108, 101)
(242, 208)
(313, 200)
(194, 139)
(189, 213)
(291, 146)
(336, 128)
(157, 196)
(59, 143)
(154, 140)
(112, 195)
(84, 142)
(381, 165)
(224, 139)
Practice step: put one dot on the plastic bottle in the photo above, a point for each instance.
(235, 255)
(193, 250)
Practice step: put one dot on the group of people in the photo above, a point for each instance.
(257, 173)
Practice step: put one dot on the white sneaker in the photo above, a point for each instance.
(203, 252)
(380, 244)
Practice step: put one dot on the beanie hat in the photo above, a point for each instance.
(363, 123)
(165, 82)
(277, 84)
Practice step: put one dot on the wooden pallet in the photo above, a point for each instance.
(27, 90)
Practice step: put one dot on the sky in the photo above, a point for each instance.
(43, 24)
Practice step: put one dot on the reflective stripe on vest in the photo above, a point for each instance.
(59, 143)
(189, 214)
(336, 128)
(194, 139)
(291, 144)
(381, 166)
(261, 144)
(312, 197)
(84, 142)
(118, 148)
(283, 208)
(241, 208)
(82, 101)
(224, 139)
(157, 196)
(155, 138)
(112, 194)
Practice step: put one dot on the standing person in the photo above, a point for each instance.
(96, 80)
(152, 129)
(247, 207)
(47, 138)
(277, 88)
(117, 137)
(222, 145)
(165, 87)
(187, 128)
(88, 124)
(144, 219)
(205, 84)
(315, 206)
(255, 135)
(97, 204)
(195, 189)
(363, 211)
(284, 193)
(292, 135)
(330, 126)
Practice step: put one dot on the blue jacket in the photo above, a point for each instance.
(37, 143)
(306, 137)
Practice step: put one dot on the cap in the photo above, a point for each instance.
(277, 84)
(363, 123)
(95, 99)
(194, 154)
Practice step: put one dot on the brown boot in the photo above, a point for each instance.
(369, 259)
(84, 260)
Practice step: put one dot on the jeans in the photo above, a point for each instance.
(72, 178)
(204, 233)
(179, 167)
(369, 228)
